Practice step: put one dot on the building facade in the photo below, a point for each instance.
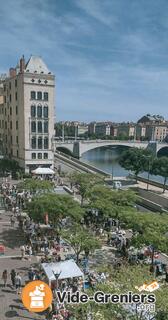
(27, 114)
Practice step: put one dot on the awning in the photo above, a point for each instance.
(65, 269)
(41, 170)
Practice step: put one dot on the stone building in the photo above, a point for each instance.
(27, 114)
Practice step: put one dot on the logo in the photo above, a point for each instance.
(37, 296)
(154, 285)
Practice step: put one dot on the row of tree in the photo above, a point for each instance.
(139, 160)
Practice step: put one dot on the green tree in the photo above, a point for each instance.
(85, 182)
(111, 202)
(57, 206)
(160, 167)
(9, 165)
(35, 185)
(80, 240)
(135, 160)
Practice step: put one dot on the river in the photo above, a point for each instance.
(106, 158)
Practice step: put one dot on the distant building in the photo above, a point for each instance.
(126, 130)
(148, 119)
(102, 128)
(27, 114)
(91, 128)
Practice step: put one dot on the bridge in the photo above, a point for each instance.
(77, 148)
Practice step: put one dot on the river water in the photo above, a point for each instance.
(106, 158)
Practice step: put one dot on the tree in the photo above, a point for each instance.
(57, 206)
(84, 182)
(160, 167)
(136, 160)
(80, 240)
(34, 185)
(9, 165)
(111, 202)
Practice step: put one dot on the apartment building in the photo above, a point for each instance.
(27, 114)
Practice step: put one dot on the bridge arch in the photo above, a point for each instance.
(163, 152)
(65, 150)
(104, 146)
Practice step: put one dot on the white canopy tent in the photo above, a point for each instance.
(65, 269)
(41, 171)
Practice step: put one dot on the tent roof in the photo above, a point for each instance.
(40, 170)
(67, 269)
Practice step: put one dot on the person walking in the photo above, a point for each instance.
(12, 220)
(22, 248)
(18, 283)
(13, 276)
(5, 277)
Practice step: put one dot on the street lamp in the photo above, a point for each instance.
(149, 167)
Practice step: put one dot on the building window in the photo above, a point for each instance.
(16, 125)
(33, 155)
(40, 143)
(15, 95)
(5, 111)
(10, 85)
(10, 98)
(15, 83)
(33, 142)
(11, 125)
(40, 155)
(5, 99)
(5, 124)
(39, 111)
(39, 95)
(4, 87)
(17, 140)
(45, 111)
(6, 138)
(33, 111)
(45, 96)
(11, 139)
(39, 127)
(0, 123)
(17, 154)
(16, 109)
(45, 126)
(46, 143)
(45, 155)
(33, 95)
(10, 111)
(33, 126)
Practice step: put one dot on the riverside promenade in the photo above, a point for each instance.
(11, 306)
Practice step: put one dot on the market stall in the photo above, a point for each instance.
(59, 271)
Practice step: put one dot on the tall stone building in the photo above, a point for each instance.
(27, 114)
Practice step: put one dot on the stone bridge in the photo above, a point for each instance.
(77, 148)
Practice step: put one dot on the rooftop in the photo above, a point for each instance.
(36, 65)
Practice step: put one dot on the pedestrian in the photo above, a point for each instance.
(22, 248)
(18, 283)
(5, 277)
(12, 220)
(31, 274)
(13, 275)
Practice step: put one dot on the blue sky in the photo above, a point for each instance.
(110, 57)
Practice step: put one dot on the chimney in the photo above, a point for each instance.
(12, 72)
(22, 64)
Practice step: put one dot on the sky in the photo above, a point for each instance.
(110, 57)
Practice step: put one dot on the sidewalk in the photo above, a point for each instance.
(11, 306)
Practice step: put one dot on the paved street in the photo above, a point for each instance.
(11, 306)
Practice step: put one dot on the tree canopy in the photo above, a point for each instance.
(136, 160)
(34, 185)
(57, 206)
(80, 240)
